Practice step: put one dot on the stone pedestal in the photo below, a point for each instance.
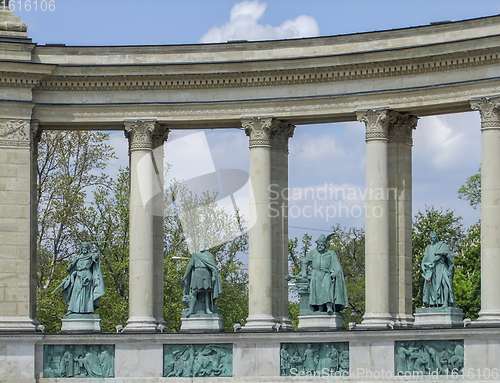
(81, 323)
(321, 322)
(438, 317)
(202, 323)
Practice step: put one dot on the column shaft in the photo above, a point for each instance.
(260, 266)
(160, 136)
(400, 216)
(376, 220)
(490, 209)
(142, 178)
(279, 215)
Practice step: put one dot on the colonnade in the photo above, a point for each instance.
(388, 221)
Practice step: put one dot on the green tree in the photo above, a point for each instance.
(467, 281)
(471, 191)
(447, 226)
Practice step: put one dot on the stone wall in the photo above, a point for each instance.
(256, 357)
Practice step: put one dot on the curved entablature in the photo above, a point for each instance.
(420, 70)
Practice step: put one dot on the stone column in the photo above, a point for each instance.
(260, 306)
(279, 218)
(159, 137)
(17, 214)
(489, 108)
(377, 314)
(143, 178)
(400, 142)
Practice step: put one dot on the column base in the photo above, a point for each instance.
(487, 319)
(141, 324)
(285, 322)
(405, 320)
(375, 321)
(18, 324)
(259, 323)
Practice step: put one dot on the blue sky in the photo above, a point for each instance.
(446, 148)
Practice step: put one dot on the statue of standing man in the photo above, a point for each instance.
(201, 281)
(84, 285)
(438, 270)
(327, 292)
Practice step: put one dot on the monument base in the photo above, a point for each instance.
(321, 322)
(81, 323)
(439, 317)
(202, 323)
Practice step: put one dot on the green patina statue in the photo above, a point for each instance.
(327, 291)
(438, 270)
(202, 285)
(84, 285)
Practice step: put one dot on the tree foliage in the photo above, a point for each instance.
(467, 282)
(471, 191)
(66, 170)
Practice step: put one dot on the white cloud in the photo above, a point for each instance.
(244, 25)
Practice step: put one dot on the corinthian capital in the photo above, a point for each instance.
(281, 135)
(401, 126)
(140, 134)
(260, 130)
(160, 135)
(489, 109)
(376, 122)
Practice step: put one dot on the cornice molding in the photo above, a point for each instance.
(279, 77)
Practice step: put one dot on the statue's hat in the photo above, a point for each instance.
(321, 239)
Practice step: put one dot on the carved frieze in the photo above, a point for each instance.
(14, 133)
(315, 360)
(79, 361)
(197, 360)
(429, 358)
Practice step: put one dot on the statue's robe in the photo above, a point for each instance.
(324, 288)
(438, 270)
(84, 285)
